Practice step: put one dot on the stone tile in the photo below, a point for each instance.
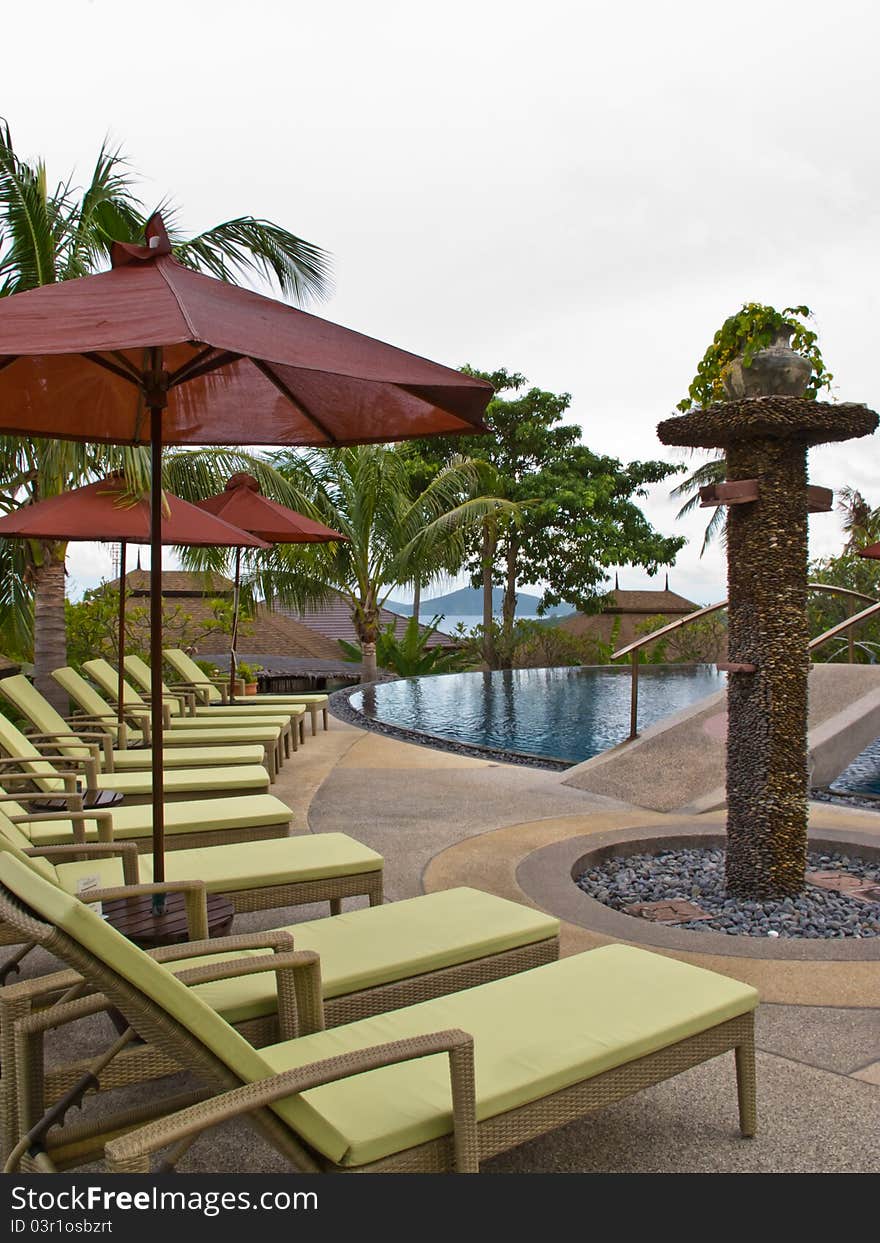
(833, 1038)
(869, 1074)
(676, 911)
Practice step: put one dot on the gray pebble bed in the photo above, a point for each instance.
(698, 876)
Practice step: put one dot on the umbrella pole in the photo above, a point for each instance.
(235, 601)
(156, 398)
(120, 691)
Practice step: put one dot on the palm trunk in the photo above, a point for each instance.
(417, 599)
(488, 561)
(367, 621)
(508, 607)
(50, 636)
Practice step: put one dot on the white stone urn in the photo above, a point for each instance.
(774, 371)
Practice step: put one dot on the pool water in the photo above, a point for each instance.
(565, 714)
(863, 774)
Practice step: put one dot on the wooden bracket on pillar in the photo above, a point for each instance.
(734, 492)
(819, 500)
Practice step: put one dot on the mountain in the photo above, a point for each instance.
(466, 602)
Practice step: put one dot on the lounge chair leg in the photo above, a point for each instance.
(375, 892)
(745, 1087)
(294, 735)
(336, 906)
(313, 713)
(302, 729)
(326, 715)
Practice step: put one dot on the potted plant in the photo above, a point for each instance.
(248, 676)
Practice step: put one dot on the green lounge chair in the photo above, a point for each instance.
(214, 691)
(375, 959)
(199, 822)
(254, 875)
(275, 737)
(522, 1055)
(105, 678)
(66, 739)
(55, 774)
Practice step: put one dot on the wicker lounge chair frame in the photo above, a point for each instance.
(462, 1151)
(30, 1009)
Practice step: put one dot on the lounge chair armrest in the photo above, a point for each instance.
(130, 1153)
(297, 984)
(102, 818)
(127, 851)
(69, 779)
(274, 939)
(195, 897)
(84, 740)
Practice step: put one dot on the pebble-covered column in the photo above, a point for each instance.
(766, 440)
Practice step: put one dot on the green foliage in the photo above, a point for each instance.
(825, 610)
(700, 642)
(539, 645)
(248, 673)
(410, 656)
(575, 512)
(207, 666)
(93, 626)
(751, 329)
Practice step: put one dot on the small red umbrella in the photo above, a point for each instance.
(153, 353)
(243, 504)
(107, 511)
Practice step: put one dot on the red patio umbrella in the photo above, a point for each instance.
(243, 504)
(106, 511)
(153, 353)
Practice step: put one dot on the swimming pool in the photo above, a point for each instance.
(563, 714)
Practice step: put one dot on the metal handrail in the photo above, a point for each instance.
(632, 649)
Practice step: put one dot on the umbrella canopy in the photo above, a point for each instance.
(151, 353)
(873, 551)
(235, 366)
(105, 511)
(243, 504)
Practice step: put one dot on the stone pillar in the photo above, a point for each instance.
(767, 774)
(765, 439)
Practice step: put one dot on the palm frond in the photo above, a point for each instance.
(248, 246)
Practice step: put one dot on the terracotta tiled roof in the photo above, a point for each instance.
(178, 583)
(267, 633)
(334, 621)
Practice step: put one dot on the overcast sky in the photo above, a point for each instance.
(577, 191)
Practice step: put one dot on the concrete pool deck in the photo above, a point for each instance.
(441, 819)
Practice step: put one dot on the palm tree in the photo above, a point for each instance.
(49, 235)
(397, 536)
(861, 523)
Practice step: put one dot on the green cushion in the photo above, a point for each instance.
(220, 720)
(250, 710)
(245, 865)
(139, 671)
(534, 1034)
(81, 923)
(187, 757)
(14, 742)
(85, 695)
(105, 676)
(188, 671)
(198, 816)
(292, 698)
(378, 944)
(12, 838)
(19, 691)
(190, 780)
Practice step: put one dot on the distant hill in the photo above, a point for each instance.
(466, 602)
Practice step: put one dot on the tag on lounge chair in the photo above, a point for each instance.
(87, 884)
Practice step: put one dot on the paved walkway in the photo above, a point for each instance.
(440, 819)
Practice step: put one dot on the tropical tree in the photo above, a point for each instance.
(55, 233)
(751, 329)
(411, 654)
(394, 538)
(571, 512)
